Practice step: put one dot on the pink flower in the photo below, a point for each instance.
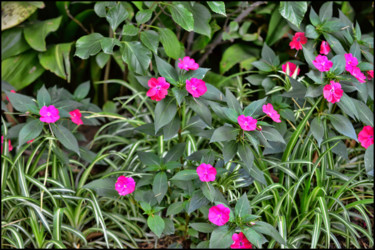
(125, 185)
(268, 109)
(49, 114)
(10, 147)
(366, 136)
(30, 141)
(158, 88)
(350, 62)
(324, 48)
(356, 72)
(292, 68)
(370, 74)
(247, 122)
(187, 63)
(13, 91)
(298, 40)
(322, 63)
(332, 92)
(219, 215)
(240, 242)
(75, 115)
(196, 87)
(206, 172)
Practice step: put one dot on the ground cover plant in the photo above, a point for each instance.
(187, 125)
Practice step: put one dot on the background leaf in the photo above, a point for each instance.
(293, 11)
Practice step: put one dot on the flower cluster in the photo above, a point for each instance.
(351, 63)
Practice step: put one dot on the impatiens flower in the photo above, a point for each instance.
(292, 68)
(125, 185)
(370, 74)
(366, 136)
(356, 72)
(268, 109)
(206, 172)
(49, 114)
(247, 122)
(75, 115)
(196, 87)
(322, 63)
(30, 141)
(298, 40)
(324, 48)
(240, 242)
(332, 92)
(187, 63)
(219, 215)
(13, 91)
(350, 62)
(10, 147)
(158, 88)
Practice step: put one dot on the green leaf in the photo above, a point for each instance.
(22, 103)
(170, 43)
(100, 7)
(232, 101)
(165, 111)
(277, 28)
(334, 44)
(293, 11)
(358, 32)
(36, 33)
(325, 11)
(136, 56)
(338, 64)
(156, 224)
(57, 60)
(242, 206)
(66, 138)
(14, 12)
(234, 54)
(185, 175)
(254, 237)
(130, 30)
(150, 39)
(221, 237)
(43, 97)
(343, 125)
(246, 156)
(148, 158)
(116, 15)
(82, 90)
(314, 18)
(175, 208)
(201, 109)
(267, 54)
(160, 186)
(217, 7)
(317, 130)
(311, 32)
(166, 70)
(262, 66)
(272, 134)
(88, 45)
(107, 44)
(176, 152)
(255, 108)
(208, 191)
(369, 160)
(182, 16)
(348, 107)
(202, 227)
(355, 50)
(231, 114)
(197, 201)
(229, 150)
(224, 133)
(30, 130)
(265, 228)
(13, 43)
(180, 94)
(143, 16)
(103, 187)
(309, 56)
(364, 112)
(202, 17)
(171, 129)
(102, 59)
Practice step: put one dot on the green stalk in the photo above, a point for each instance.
(46, 173)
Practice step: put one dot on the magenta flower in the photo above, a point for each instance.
(366, 136)
(206, 172)
(158, 88)
(196, 87)
(240, 242)
(247, 122)
(298, 40)
(268, 109)
(219, 215)
(292, 68)
(332, 92)
(49, 114)
(10, 147)
(370, 74)
(350, 62)
(324, 48)
(75, 115)
(30, 141)
(322, 63)
(187, 63)
(13, 91)
(125, 185)
(356, 72)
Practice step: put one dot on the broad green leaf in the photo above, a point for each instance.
(293, 11)
(66, 138)
(364, 112)
(160, 186)
(231, 114)
(43, 97)
(156, 224)
(338, 64)
(202, 17)
(272, 134)
(255, 108)
(309, 56)
(100, 7)
(116, 15)
(82, 90)
(229, 150)
(107, 44)
(314, 18)
(311, 32)
(15, 12)
(88, 45)
(355, 50)
(232, 101)
(166, 70)
(36, 33)
(246, 156)
(197, 201)
(217, 7)
(234, 54)
(148, 158)
(150, 39)
(224, 133)
(30, 130)
(165, 111)
(182, 16)
(334, 44)
(180, 94)
(208, 191)
(136, 56)
(348, 107)
(358, 32)
(13, 43)
(203, 227)
(22, 103)
(265, 228)
(170, 43)
(175, 208)
(262, 66)
(129, 30)
(242, 206)
(143, 16)
(317, 130)
(254, 237)
(268, 54)
(201, 109)
(325, 11)
(175, 153)
(343, 125)
(171, 129)
(103, 187)
(369, 160)
(221, 237)
(277, 28)
(185, 175)
(57, 60)
(102, 59)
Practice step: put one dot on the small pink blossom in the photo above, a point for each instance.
(370, 74)
(268, 109)
(13, 91)
(324, 48)
(10, 147)
(49, 114)
(158, 88)
(206, 172)
(75, 115)
(240, 242)
(366, 136)
(247, 122)
(356, 72)
(298, 40)
(30, 141)
(125, 185)
(196, 87)
(350, 62)
(322, 63)
(292, 68)
(332, 92)
(187, 63)
(219, 215)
